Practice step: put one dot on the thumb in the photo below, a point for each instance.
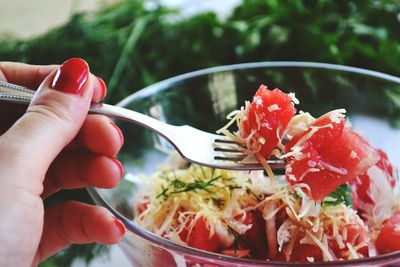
(51, 121)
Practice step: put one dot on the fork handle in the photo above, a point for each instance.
(18, 94)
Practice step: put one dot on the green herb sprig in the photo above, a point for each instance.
(341, 195)
(178, 186)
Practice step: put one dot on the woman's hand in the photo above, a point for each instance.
(54, 145)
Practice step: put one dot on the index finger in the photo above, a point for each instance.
(30, 76)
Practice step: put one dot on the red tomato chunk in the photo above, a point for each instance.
(389, 237)
(200, 237)
(332, 156)
(267, 117)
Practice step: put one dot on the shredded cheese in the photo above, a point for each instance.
(324, 248)
(310, 259)
(332, 168)
(176, 209)
(273, 107)
(353, 155)
(175, 199)
(294, 99)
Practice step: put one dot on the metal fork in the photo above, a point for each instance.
(193, 145)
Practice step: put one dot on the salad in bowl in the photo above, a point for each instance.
(336, 199)
(335, 203)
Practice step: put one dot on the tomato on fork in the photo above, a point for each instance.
(267, 117)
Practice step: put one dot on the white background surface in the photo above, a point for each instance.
(27, 18)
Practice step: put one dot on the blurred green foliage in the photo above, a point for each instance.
(131, 46)
(66, 257)
(135, 43)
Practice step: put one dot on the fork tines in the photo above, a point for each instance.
(227, 141)
(230, 150)
(226, 145)
(229, 158)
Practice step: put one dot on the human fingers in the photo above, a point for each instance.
(89, 161)
(51, 121)
(31, 76)
(27, 75)
(78, 168)
(100, 135)
(77, 223)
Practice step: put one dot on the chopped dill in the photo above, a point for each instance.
(178, 183)
(163, 192)
(198, 184)
(233, 187)
(175, 185)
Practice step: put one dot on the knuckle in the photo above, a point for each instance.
(51, 115)
(54, 112)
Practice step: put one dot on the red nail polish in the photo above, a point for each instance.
(120, 225)
(71, 76)
(103, 88)
(120, 166)
(121, 136)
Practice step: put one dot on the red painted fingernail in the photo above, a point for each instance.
(103, 87)
(120, 225)
(120, 166)
(71, 76)
(121, 136)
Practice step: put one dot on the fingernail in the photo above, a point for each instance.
(121, 136)
(120, 225)
(120, 166)
(71, 76)
(103, 88)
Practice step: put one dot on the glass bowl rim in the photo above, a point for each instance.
(181, 249)
(159, 86)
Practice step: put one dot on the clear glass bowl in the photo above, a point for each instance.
(203, 98)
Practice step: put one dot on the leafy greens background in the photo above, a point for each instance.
(131, 46)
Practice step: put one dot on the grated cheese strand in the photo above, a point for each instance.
(323, 247)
